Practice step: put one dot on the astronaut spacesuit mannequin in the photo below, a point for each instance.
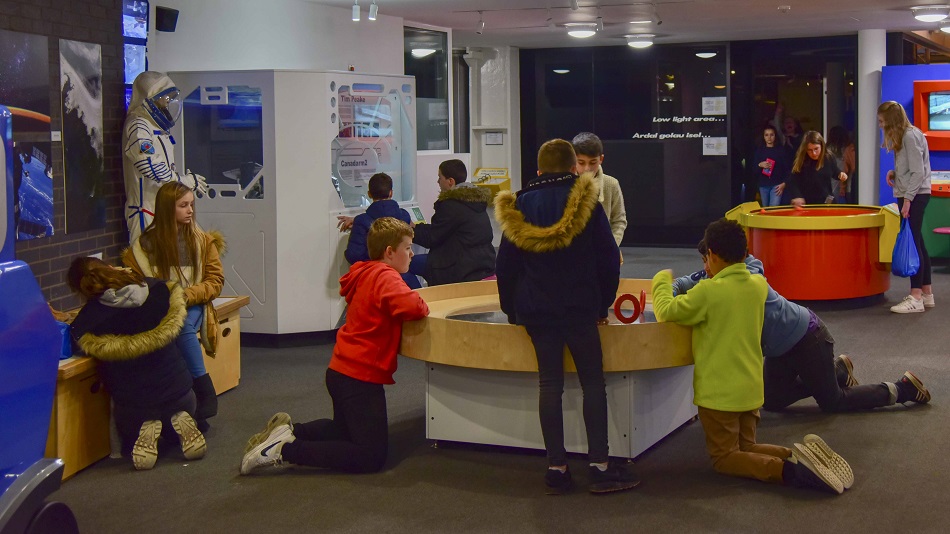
(149, 160)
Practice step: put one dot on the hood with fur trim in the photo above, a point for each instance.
(581, 202)
(467, 192)
(119, 347)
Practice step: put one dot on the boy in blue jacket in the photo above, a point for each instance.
(800, 359)
(558, 269)
(380, 189)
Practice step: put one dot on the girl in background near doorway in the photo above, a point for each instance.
(772, 163)
(812, 172)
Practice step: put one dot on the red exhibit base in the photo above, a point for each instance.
(821, 252)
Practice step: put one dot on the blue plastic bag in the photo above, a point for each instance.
(905, 262)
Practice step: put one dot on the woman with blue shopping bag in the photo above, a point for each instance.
(911, 182)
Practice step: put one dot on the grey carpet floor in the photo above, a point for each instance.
(897, 453)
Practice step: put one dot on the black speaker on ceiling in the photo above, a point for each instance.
(166, 19)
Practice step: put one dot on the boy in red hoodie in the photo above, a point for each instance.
(364, 358)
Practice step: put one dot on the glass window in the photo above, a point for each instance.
(134, 34)
(427, 58)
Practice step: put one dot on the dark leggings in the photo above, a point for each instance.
(584, 343)
(917, 207)
(355, 440)
(808, 370)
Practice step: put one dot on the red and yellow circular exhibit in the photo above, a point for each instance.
(822, 252)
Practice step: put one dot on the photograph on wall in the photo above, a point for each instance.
(33, 190)
(83, 157)
(24, 81)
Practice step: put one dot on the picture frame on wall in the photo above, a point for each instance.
(83, 152)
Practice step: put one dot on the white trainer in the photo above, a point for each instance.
(268, 452)
(909, 305)
(929, 300)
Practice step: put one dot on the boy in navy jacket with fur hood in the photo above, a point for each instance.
(558, 269)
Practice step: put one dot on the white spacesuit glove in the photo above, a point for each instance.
(196, 182)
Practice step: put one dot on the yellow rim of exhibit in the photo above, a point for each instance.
(753, 218)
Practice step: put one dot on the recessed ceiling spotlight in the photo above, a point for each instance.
(422, 52)
(705, 55)
(561, 71)
(932, 13)
(784, 9)
(581, 30)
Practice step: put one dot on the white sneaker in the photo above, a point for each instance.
(909, 305)
(268, 452)
(929, 300)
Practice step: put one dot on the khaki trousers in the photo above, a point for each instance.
(730, 440)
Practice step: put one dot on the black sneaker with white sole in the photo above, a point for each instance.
(615, 478)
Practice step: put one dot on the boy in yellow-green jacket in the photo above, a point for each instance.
(726, 312)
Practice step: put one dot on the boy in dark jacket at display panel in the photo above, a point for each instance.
(380, 189)
(726, 313)
(459, 237)
(364, 359)
(558, 271)
(129, 324)
(800, 361)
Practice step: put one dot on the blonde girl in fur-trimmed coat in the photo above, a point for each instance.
(173, 247)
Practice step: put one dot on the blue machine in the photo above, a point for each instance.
(29, 357)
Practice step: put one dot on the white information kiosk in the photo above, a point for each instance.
(284, 153)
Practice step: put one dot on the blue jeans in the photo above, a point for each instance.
(770, 196)
(188, 343)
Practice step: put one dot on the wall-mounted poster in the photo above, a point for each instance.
(24, 81)
(83, 158)
(33, 184)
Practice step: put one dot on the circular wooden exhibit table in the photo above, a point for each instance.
(505, 347)
(822, 251)
(482, 382)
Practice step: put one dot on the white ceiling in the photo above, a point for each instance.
(525, 23)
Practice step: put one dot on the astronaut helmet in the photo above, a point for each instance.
(157, 93)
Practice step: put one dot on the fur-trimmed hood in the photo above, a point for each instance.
(581, 202)
(120, 347)
(467, 192)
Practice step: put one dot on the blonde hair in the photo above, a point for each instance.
(895, 124)
(160, 239)
(91, 277)
(810, 138)
(556, 155)
(386, 232)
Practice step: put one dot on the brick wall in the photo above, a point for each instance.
(91, 21)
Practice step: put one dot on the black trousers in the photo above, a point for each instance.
(584, 342)
(129, 419)
(355, 440)
(808, 370)
(917, 207)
